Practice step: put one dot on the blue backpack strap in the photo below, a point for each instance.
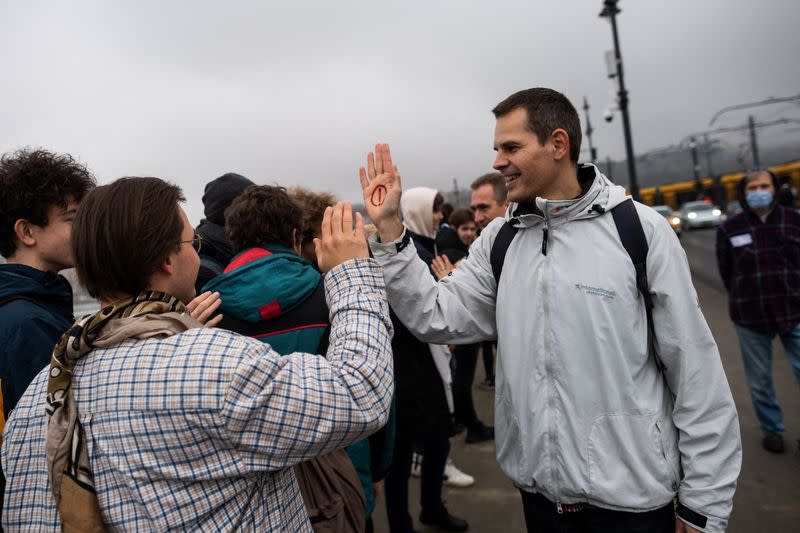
(499, 248)
(631, 233)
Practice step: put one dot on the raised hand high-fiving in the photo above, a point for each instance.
(380, 183)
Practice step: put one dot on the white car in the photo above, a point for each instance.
(674, 221)
(700, 215)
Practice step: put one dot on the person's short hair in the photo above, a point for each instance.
(262, 214)
(438, 202)
(123, 231)
(498, 183)
(461, 216)
(312, 206)
(32, 181)
(547, 110)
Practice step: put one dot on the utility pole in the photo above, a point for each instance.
(589, 131)
(707, 146)
(751, 123)
(610, 11)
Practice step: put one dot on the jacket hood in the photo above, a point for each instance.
(215, 241)
(416, 205)
(52, 291)
(599, 195)
(262, 283)
(220, 193)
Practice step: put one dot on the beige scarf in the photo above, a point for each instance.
(148, 314)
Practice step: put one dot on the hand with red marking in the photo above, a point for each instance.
(380, 183)
(340, 241)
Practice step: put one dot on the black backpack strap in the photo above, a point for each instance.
(499, 248)
(631, 233)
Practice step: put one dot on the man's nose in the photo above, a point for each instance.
(500, 162)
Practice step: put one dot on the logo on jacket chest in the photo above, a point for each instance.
(597, 292)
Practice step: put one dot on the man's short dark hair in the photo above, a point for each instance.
(312, 207)
(498, 183)
(262, 214)
(547, 110)
(123, 231)
(31, 182)
(461, 216)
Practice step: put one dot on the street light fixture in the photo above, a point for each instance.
(610, 11)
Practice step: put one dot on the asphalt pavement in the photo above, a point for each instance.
(768, 492)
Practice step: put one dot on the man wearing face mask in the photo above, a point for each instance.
(758, 252)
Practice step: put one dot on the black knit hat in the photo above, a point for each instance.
(220, 193)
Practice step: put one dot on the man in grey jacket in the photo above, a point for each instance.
(594, 434)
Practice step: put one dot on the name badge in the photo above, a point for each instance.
(741, 240)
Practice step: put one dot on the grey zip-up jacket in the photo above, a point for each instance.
(582, 412)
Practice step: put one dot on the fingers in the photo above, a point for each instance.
(207, 307)
(362, 177)
(359, 231)
(347, 218)
(387, 159)
(447, 264)
(336, 220)
(326, 224)
(214, 322)
(379, 159)
(371, 166)
(191, 306)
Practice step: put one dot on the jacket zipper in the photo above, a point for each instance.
(545, 233)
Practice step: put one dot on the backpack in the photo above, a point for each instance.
(631, 233)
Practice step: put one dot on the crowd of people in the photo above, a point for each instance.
(283, 365)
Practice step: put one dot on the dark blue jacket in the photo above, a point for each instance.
(38, 310)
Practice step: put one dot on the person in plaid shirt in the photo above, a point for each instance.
(148, 421)
(758, 252)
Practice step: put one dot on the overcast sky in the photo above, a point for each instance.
(297, 94)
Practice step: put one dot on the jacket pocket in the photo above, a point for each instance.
(510, 444)
(628, 464)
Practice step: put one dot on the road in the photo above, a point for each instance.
(768, 493)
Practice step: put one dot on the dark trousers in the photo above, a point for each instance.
(434, 457)
(487, 348)
(541, 516)
(466, 358)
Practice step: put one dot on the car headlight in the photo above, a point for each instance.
(716, 212)
(692, 215)
(675, 221)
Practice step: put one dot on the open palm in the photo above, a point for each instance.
(380, 183)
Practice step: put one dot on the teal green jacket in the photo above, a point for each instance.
(272, 294)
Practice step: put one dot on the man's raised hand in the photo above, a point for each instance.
(339, 241)
(380, 183)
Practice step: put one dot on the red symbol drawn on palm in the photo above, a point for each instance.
(378, 195)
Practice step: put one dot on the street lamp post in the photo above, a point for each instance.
(610, 11)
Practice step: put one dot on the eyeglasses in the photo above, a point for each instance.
(196, 241)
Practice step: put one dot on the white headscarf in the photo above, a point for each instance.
(416, 205)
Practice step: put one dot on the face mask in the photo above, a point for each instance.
(758, 200)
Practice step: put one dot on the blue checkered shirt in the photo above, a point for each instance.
(198, 431)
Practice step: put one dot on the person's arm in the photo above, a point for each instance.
(724, 257)
(459, 308)
(281, 410)
(704, 412)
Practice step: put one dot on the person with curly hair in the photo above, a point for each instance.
(39, 194)
(312, 206)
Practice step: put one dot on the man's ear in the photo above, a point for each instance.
(24, 232)
(560, 140)
(167, 266)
